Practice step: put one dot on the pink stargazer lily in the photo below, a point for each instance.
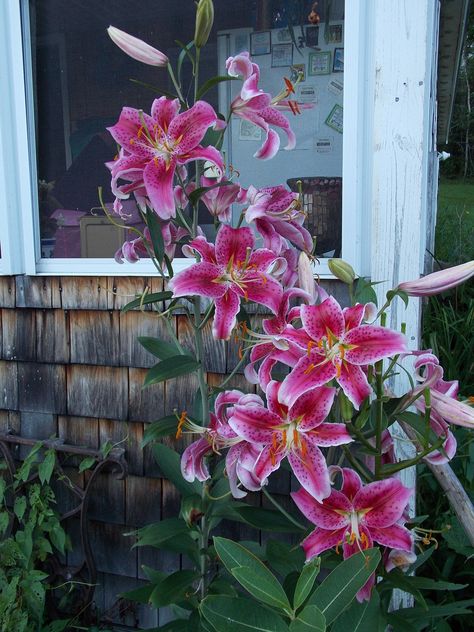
(157, 145)
(280, 342)
(229, 271)
(355, 517)
(134, 249)
(278, 217)
(256, 106)
(295, 432)
(215, 437)
(339, 346)
(219, 200)
(440, 281)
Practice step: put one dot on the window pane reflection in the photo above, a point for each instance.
(82, 80)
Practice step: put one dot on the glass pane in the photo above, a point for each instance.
(82, 81)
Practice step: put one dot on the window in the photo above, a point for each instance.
(77, 82)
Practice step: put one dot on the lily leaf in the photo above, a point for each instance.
(170, 368)
(230, 614)
(154, 297)
(159, 348)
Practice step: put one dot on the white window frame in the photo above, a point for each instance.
(19, 219)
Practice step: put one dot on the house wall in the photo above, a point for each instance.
(71, 367)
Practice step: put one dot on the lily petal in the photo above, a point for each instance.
(384, 501)
(255, 424)
(329, 434)
(225, 318)
(158, 179)
(321, 540)
(309, 467)
(394, 536)
(307, 374)
(313, 407)
(318, 319)
(198, 279)
(327, 514)
(354, 383)
(372, 343)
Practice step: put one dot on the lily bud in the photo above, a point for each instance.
(305, 276)
(342, 270)
(440, 281)
(137, 48)
(347, 409)
(204, 22)
(191, 509)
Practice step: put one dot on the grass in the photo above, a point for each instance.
(455, 223)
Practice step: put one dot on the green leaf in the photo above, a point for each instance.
(159, 348)
(210, 83)
(154, 297)
(140, 595)
(161, 428)
(396, 579)
(154, 226)
(340, 587)
(229, 614)
(233, 555)
(310, 620)
(155, 89)
(262, 585)
(173, 588)
(306, 581)
(170, 368)
(58, 537)
(19, 507)
(46, 467)
(169, 462)
(155, 534)
(360, 617)
(365, 293)
(196, 195)
(266, 519)
(284, 558)
(86, 463)
(426, 583)
(57, 626)
(445, 610)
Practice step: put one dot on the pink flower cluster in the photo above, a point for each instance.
(327, 351)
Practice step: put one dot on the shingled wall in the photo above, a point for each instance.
(71, 367)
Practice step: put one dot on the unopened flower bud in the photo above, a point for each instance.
(191, 509)
(204, 22)
(306, 276)
(347, 409)
(137, 48)
(440, 281)
(342, 270)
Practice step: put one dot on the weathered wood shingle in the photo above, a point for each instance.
(97, 391)
(95, 337)
(42, 387)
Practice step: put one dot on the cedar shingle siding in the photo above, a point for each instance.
(71, 367)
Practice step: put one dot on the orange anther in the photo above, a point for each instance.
(181, 422)
(309, 369)
(295, 437)
(132, 141)
(311, 344)
(289, 86)
(274, 441)
(304, 449)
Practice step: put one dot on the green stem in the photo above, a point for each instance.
(174, 337)
(234, 370)
(289, 517)
(355, 464)
(176, 84)
(204, 536)
(196, 73)
(378, 417)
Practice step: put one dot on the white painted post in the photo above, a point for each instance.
(404, 47)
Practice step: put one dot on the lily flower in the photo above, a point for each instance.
(356, 517)
(137, 48)
(429, 375)
(277, 210)
(134, 249)
(219, 200)
(440, 281)
(157, 145)
(229, 271)
(257, 106)
(215, 437)
(339, 347)
(280, 342)
(295, 432)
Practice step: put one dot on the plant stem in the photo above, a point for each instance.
(288, 516)
(234, 370)
(378, 417)
(175, 83)
(196, 73)
(355, 463)
(205, 420)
